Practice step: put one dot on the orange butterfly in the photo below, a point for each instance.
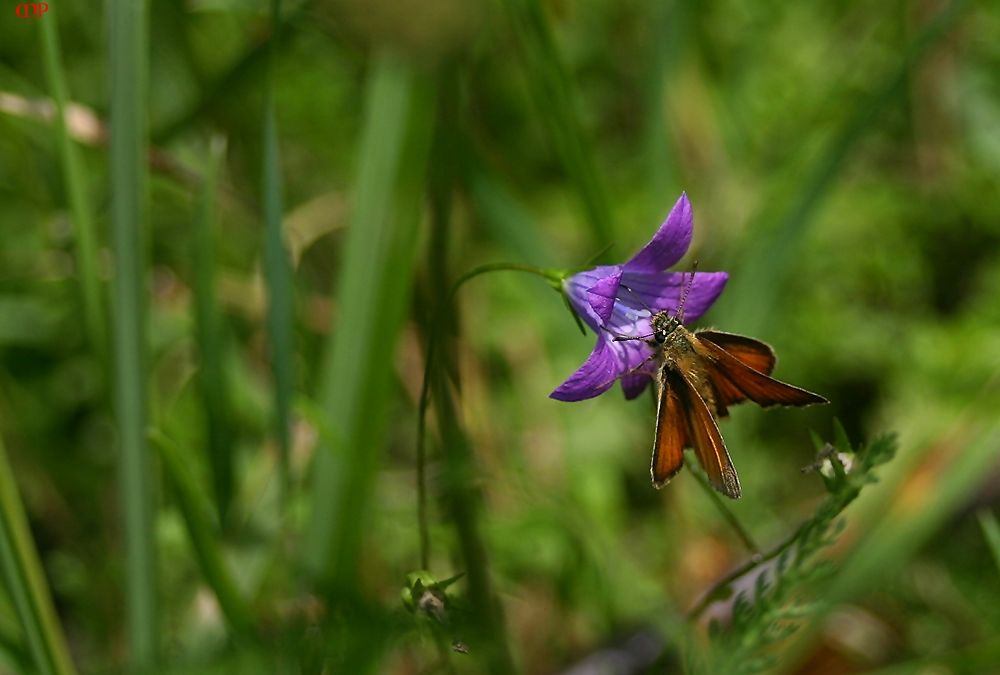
(700, 374)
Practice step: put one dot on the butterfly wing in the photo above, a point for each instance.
(703, 434)
(754, 353)
(735, 380)
(671, 433)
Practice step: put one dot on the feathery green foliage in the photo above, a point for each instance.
(783, 592)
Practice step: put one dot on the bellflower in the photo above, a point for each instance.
(620, 299)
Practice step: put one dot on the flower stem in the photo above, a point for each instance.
(552, 276)
(425, 399)
(727, 514)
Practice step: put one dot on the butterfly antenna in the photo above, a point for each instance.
(685, 291)
(636, 296)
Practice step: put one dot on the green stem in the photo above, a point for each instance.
(460, 498)
(716, 592)
(425, 400)
(552, 276)
(727, 513)
(555, 279)
(24, 578)
(464, 504)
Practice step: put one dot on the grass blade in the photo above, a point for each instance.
(208, 323)
(373, 292)
(555, 102)
(25, 580)
(127, 64)
(76, 193)
(204, 533)
(277, 268)
(671, 23)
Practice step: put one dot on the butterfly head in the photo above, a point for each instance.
(663, 325)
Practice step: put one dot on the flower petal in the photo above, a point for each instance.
(627, 319)
(669, 243)
(578, 287)
(594, 377)
(634, 384)
(618, 302)
(662, 291)
(601, 295)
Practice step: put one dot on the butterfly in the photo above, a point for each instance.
(700, 374)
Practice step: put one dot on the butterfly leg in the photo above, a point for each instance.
(620, 337)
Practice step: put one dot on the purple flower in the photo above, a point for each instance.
(617, 299)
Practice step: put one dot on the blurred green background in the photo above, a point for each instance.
(219, 280)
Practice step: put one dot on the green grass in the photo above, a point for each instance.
(277, 268)
(330, 427)
(24, 579)
(556, 106)
(765, 269)
(372, 296)
(204, 534)
(991, 532)
(210, 332)
(127, 170)
(77, 194)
